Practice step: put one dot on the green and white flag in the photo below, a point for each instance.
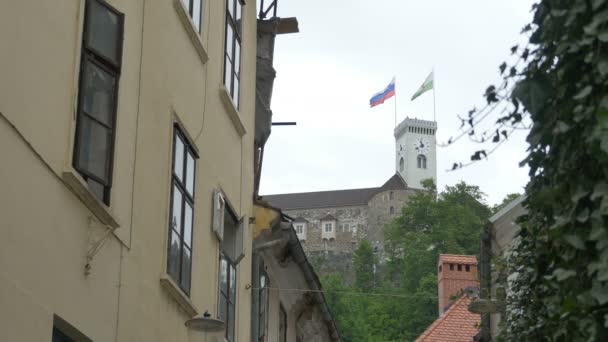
(426, 86)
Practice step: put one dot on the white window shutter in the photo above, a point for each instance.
(219, 204)
(240, 247)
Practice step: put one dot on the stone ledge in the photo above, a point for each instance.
(80, 188)
(178, 295)
(233, 112)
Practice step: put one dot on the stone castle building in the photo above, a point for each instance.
(331, 224)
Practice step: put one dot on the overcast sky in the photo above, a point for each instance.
(347, 50)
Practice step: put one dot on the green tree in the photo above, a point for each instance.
(364, 262)
(505, 201)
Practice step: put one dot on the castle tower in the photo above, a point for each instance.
(416, 157)
(454, 273)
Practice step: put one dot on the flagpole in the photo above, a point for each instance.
(395, 107)
(434, 106)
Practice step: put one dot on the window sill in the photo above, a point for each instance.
(233, 113)
(178, 295)
(195, 37)
(80, 188)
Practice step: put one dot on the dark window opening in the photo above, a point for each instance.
(391, 210)
(101, 62)
(232, 50)
(59, 336)
(467, 268)
(227, 295)
(181, 217)
(421, 161)
(451, 267)
(459, 267)
(263, 308)
(439, 268)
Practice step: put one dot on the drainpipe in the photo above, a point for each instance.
(255, 296)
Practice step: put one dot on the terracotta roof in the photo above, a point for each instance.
(332, 198)
(457, 324)
(458, 259)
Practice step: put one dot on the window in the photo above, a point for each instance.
(328, 228)
(451, 267)
(179, 255)
(421, 161)
(391, 210)
(227, 277)
(194, 8)
(227, 295)
(467, 268)
(97, 97)
(232, 49)
(299, 229)
(346, 227)
(282, 325)
(401, 164)
(439, 268)
(263, 308)
(58, 336)
(390, 195)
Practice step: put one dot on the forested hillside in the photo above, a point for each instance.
(398, 301)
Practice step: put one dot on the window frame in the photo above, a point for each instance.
(230, 265)
(187, 198)
(236, 27)
(190, 10)
(421, 161)
(88, 54)
(330, 225)
(265, 304)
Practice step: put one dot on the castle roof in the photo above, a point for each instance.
(333, 198)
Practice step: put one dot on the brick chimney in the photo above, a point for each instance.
(454, 273)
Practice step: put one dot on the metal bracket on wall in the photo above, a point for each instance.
(98, 233)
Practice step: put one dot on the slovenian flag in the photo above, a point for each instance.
(384, 95)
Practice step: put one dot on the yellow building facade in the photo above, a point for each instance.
(127, 172)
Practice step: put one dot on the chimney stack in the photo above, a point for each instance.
(455, 273)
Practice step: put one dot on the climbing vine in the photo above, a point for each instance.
(558, 272)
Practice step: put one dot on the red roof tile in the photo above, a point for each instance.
(458, 259)
(457, 324)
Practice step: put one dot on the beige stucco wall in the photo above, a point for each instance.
(45, 227)
(503, 235)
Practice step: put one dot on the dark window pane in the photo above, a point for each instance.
(229, 41)
(196, 14)
(188, 225)
(190, 173)
(58, 336)
(232, 284)
(93, 153)
(224, 276)
(176, 212)
(178, 158)
(186, 264)
(230, 325)
(174, 256)
(236, 91)
(96, 188)
(98, 93)
(237, 57)
(222, 308)
(228, 75)
(103, 31)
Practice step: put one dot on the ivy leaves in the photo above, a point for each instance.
(560, 292)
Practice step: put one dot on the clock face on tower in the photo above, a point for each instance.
(421, 146)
